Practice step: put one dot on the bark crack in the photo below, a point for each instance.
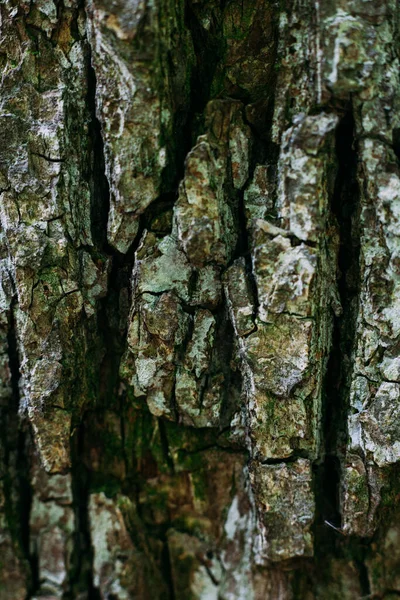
(345, 208)
(18, 490)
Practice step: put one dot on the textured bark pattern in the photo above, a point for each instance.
(200, 314)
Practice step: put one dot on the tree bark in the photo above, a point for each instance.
(200, 300)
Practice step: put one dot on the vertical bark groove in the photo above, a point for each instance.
(16, 437)
(345, 208)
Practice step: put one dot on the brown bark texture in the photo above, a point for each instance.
(199, 300)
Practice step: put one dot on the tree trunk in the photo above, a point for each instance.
(200, 296)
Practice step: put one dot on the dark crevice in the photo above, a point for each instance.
(104, 381)
(165, 445)
(167, 570)
(81, 575)
(112, 311)
(396, 141)
(222, 355)
(335, 404)
(17, 489)
(243, 249)
(364, 579)
(25, 502)
(100, 192)
(208, 50)
(13, 358)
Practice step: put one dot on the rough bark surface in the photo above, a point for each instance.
(200, 300)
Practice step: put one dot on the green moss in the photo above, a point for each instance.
(110, 486)
(157, 499)
(188, 439)
(112, 444)
(193, 525)
(142, 439)
(200, 485)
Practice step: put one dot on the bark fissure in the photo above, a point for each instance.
(81, 574)
(364, 579)
(345, 206)
(17, 488)
(168, 570)
(100, 191)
